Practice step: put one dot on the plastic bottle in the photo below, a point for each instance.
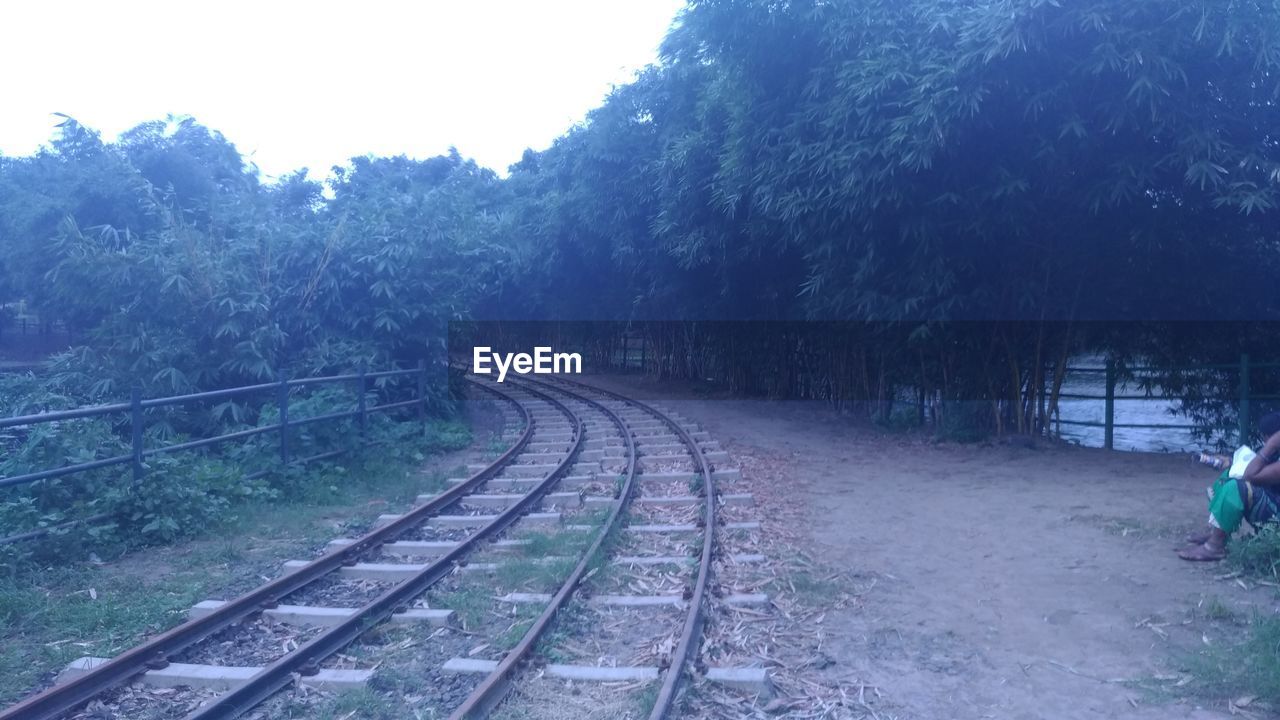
(1217, 462)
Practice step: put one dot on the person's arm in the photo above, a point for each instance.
(1263, 469)
(1269, 475)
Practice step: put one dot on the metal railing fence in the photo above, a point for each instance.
(135, 410)
(1244, 398)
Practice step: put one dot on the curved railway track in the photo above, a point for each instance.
(552, 431)
(491, 692)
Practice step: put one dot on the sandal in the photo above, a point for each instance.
(1202, 553)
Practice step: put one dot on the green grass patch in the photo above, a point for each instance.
(1250, 667)
(468, 602)
(1218, 611)
(533, 574)
(595, 516)
(445, 435)
(540, 543)
(508, 638)
(495, 447)
(567, 622)
(1259, 554)
(646, 697)
(1245, 663)
(53, 612)
(83, 610)
(364, 704)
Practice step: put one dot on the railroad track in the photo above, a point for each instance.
(666, 468)
(579, 448)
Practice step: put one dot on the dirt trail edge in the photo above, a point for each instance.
(993, 581)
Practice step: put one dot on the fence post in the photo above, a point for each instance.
(1109, 416)
(283, 399)
(135, 425)
(1243, 411)
(360, 403)
(422, 391)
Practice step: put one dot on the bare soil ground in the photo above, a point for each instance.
(993, 581)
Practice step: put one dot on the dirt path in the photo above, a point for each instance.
(997, 581)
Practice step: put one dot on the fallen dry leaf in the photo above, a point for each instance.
(1244, 701)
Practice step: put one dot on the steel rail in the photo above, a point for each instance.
(687, 648)
(392, 406)
(60, 415)
(64, 470)
(392, 373)
(40, 532)
(142, 454)
(205, 442)
(98, 410)
(305, 660)
(156, 650)
(191, 445)
(102, 517)
(490, 692)
(208, 395)
(151, 403)
(303, 382)
(687, 645)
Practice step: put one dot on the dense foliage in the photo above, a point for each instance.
(893, 160)
(175, 268)
(1030, 164)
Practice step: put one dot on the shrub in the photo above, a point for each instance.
(1258, 554)
(1250, 667)
(965, 422)
(186, 492)
(180, 497)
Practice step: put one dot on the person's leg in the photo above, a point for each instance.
(1226, 512)
(1263, 507)
(1213, 548)
(1201, 536)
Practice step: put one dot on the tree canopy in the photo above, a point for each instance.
(931, 160)
(907, 161)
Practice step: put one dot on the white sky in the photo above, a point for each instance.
(310, 84)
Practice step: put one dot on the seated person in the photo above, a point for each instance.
(1254, 497)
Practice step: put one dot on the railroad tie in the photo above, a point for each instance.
(748, 679)
(468, 521)
(734, 600)
(220, 677)
(312, 616)
(425, 548)
(743, 499)
(673, 529)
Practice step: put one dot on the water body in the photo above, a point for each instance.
(1146, 411)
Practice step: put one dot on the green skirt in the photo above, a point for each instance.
(1231, 501)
